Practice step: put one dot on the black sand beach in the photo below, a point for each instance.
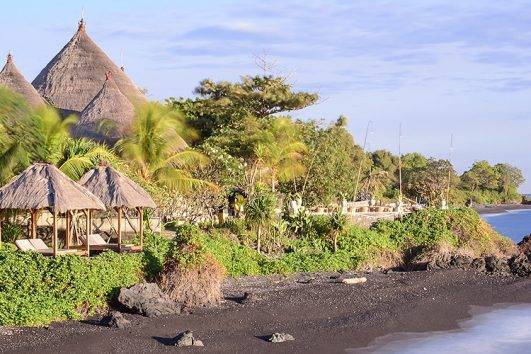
(502, 208)
(323, 315)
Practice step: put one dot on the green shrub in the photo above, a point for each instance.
(37, 290)
(11, 232)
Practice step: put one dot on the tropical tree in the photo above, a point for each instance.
(431, 182)
(226, 104)
(44, 136)
(338, 224)
(480, 176)
(157, 150)
(510, 178)
(279, 152)
(260, 211)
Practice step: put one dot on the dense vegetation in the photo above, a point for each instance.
(236, 139)
(37, 290)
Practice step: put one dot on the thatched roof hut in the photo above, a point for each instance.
(44, 186)
(77, 73)
(109, 115)
(118, 192)
(11, 78)
(115, 190)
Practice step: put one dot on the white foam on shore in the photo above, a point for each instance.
(502, 330)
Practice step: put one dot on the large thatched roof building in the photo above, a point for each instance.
(108, 116)
(11, 78)
(77, 73)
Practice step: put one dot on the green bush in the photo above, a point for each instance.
(37, 290)
(11, 232)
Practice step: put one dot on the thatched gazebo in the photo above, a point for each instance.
(118, 192)
(44, 187)
(110, 107)
(77, 73)
(11, 78)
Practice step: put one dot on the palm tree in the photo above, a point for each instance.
(279, 151)
(79, 155)
(43, 136)
(157, 150)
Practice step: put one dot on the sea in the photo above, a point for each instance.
(515, 224)
(499, 329)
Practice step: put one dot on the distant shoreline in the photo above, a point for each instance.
(502, 208)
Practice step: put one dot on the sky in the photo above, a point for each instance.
(436, 67)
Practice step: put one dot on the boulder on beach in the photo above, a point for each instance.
(524, 246)
(520, 265)
(496, 265)
(187, 339)
(280, 337)
(116, 320)
(461, 261)
(148, 300)
(478, 264)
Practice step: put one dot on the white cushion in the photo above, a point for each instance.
(24, 245)
(39, 244)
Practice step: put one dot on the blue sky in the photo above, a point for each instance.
(438, 67)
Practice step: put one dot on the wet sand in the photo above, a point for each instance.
(322, 314)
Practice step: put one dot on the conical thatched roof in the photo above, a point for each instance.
(11, 78)
(115, 189)
(76, 74)
(108, 116)
(43, 186)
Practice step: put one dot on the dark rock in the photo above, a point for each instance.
(305, 280)
(496, 265)
(520, 265)
(440, 261)
(478, 264)
(147, 299)
(524, 246)
(461, 261)
(186, 339)
(249, 297)
(116, 320)
(280, 337)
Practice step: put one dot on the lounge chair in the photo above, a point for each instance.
(33, 245)
(97, 243)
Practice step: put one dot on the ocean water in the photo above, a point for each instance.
(514, 224)
(500, 330)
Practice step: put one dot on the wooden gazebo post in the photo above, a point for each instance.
(87, 228)
(119, 228)
(33, 224)
(141, 226)
(54, 240)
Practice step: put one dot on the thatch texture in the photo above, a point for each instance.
(115, 190)
(11, 78)
(77, 73)
(108, 117)
(43, 186)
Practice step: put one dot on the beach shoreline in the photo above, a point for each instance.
(322, 314)
(502, 208)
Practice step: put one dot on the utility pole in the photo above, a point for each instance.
(449, 169)
(400, 167)
(362, 159)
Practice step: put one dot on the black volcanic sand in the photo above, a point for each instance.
(322, 315)
(502, 208)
